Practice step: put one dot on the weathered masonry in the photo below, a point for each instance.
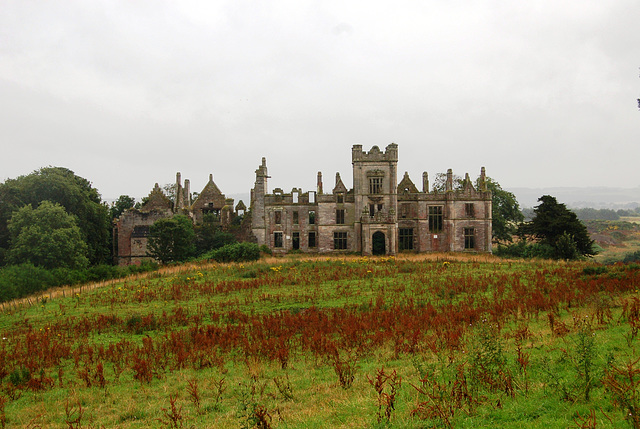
(378, 216)
(131, 229)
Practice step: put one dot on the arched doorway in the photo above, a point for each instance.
(378, 246)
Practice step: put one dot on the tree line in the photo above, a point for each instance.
(53, 219)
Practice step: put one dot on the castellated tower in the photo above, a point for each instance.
(375, 183)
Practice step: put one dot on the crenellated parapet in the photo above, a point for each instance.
(375, 154)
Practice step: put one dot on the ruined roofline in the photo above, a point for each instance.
(375, 154)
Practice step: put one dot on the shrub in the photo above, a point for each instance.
(266, 249)
(238, 252)
(632, 257)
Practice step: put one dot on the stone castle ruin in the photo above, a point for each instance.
(378, 216)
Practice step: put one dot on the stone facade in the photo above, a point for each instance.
(131, 229)
(377, 216)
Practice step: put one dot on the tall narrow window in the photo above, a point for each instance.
(340, 198)
(372, 210)
(312, 217)
(312, 197)
(312, 239)
(375, 185)
(405, 237)
(277, 239)
(295, 241)
(340, 216)
(295, 218)
(435, 219)
(469, 210)
(278, 217)
(340, 240)
(469, 239)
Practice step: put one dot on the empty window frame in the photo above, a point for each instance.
(372, 210)
(340, 240)
(140, 231)
(469, 239)
(340, 216)
(312, 239)
(295, 218)
(469, 210)
(435, 219)
(312, 217)
(278, 217)
(375, 185)
(295, 241)
(340, 198)
(277, 239)
(405, 236)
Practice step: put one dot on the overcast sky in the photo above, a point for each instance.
(127, 93)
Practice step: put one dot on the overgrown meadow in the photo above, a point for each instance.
(438, 341)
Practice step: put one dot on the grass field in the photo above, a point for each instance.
(409, 342)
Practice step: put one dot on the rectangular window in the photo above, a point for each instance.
(340, 216)
(312, 197)
(141, 231)
(405, 236)
(469, 210)
(295, 218)
(295, 240)
(312, 239)
(372, 210)
(277, 239)
(312, 217)
(340, 240)
(375, 185)
(435, 219)
(340, 198)
(469, 239)
(278, 217)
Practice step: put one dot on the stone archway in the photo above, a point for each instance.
(378, 244)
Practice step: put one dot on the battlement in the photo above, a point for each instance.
(375, 154)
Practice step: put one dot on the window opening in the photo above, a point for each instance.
(277, 239)
(469, 210)
(469, 239)
(375, 185)
(405, 236)
(435, 219)
(340, 240)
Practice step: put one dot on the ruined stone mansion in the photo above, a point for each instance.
(378, 216)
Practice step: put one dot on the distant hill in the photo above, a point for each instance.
(596, 197)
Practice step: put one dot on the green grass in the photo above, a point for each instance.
(442, 316)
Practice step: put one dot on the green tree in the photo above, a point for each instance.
(123, 203)
(47, 237)
(505, 212)
(171, 239)
(209, 235)
(74, 193)
(553, 224)
(440, 182)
